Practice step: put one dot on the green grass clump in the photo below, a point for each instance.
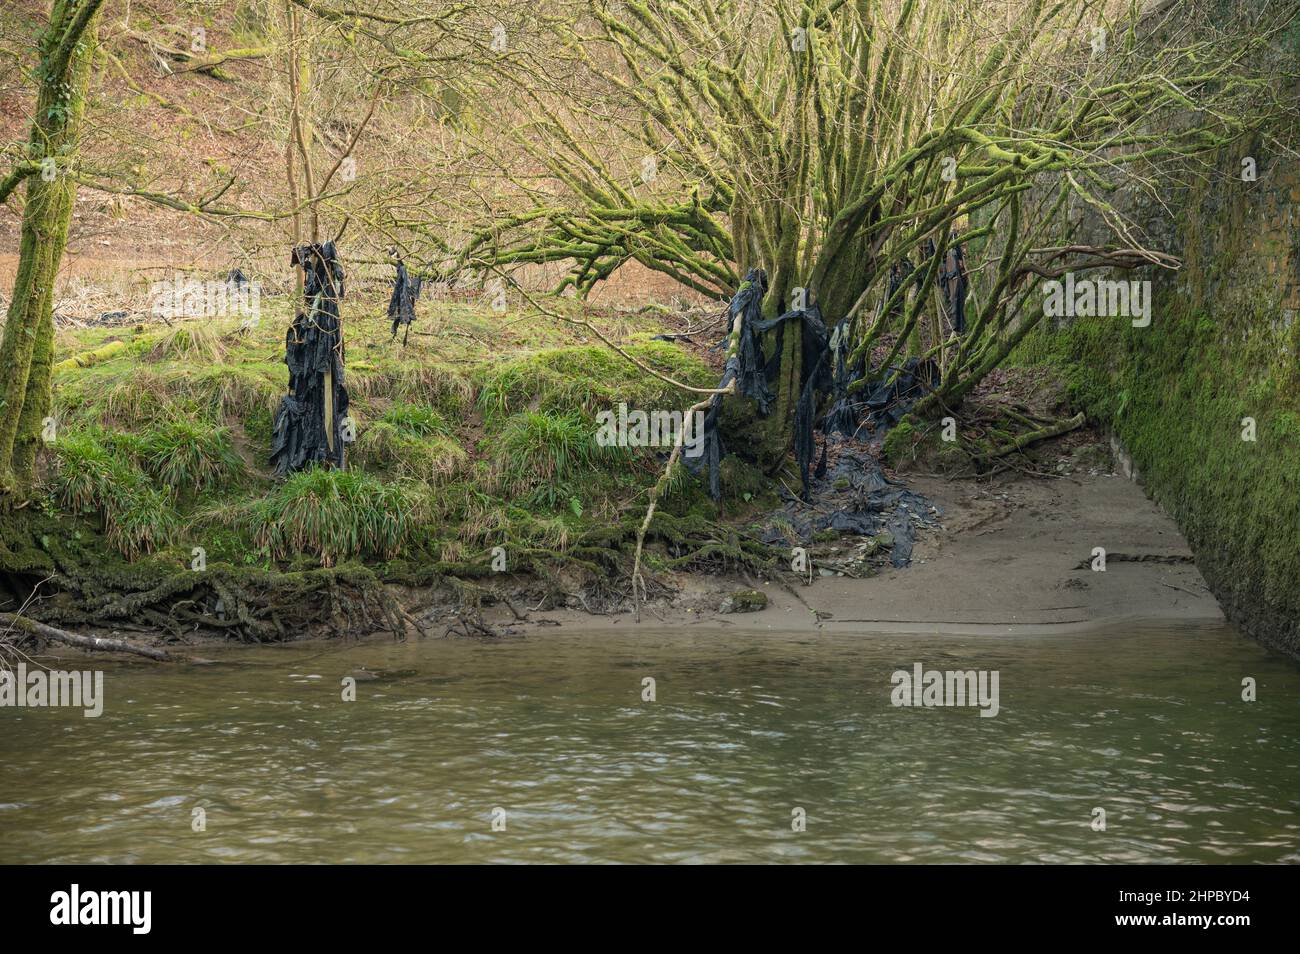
(587, 379)
(337, 514)
(410, 440)
(140, 522)
(416, 419)
(90, 478)
(539, 456)
(400, 453)
(422, 381)
(199, 341)
(130, 393)
(188, 457)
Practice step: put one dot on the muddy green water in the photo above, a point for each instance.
(1144, 722)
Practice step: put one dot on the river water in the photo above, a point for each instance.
(549, 737)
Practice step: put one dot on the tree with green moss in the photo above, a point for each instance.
(66, 51)
(837, 142)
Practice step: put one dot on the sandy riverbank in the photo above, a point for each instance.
(1011, 555)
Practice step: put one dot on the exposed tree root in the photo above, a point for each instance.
(72, 581)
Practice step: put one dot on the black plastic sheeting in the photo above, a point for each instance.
(843, 416)
(751, 373)
(401, 307)
(827, 370)
(953, 286)
(744, 368)
(314, 354)
(854, 497)
(754, 376)
(888, 400)
(846, 411)
(952, 281)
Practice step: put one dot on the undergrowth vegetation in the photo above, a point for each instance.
(478, 433)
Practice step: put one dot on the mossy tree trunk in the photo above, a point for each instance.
(66, 50)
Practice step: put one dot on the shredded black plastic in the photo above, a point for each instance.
(826, 374)
(855, 497)
(843, 417)
(754, 376)
(815, 381)
(309, 423)
(401, 307)
(744, 367)
(953, 285)
(897, 390)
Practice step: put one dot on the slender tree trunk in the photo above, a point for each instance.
(67, 49)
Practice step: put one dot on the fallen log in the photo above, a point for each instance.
(87, 358)
(1033, 437)
(95, 643)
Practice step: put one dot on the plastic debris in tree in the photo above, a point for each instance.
(845, 414)
(401, 307)
(898, 389)
(309, 423)
(815, 381)
(743, 367)
(953, 285)
(753, 376)
(855, 497)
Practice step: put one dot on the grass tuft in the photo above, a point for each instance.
(339, 515)
(539, 455)
(188, 457)
(196, 341)
(90, 478)
(411, 440)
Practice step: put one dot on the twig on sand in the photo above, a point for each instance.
(98, 643)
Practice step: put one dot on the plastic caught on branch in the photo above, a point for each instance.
(401, 307)
(753, 376)
(845, 414)
(815, 379)
(842, 418)
(952, 281)
(898, 389)
(309, 422)
(953, 285)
